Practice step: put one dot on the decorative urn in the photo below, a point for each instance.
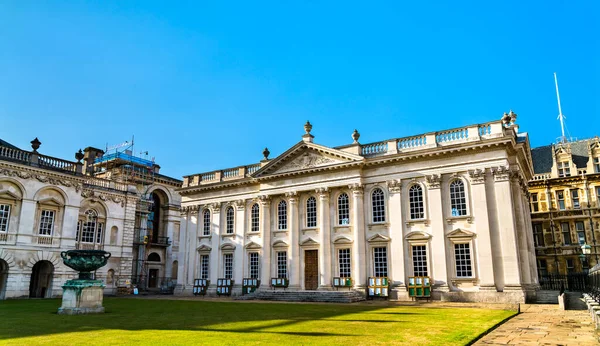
(85, 261)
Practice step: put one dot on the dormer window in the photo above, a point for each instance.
(563, 169)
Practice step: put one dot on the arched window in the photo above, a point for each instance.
(458, 201)
(154, 257)
(311, 212)
(229, 220)
(282, 215)
(254, 218)
(89, 229)
(343, 209)
(415, 199)
(378, 203)
(206, 222)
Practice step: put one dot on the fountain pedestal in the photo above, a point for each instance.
(83, 295)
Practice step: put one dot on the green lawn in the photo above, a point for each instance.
(177, 322)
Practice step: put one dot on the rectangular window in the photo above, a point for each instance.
(563, 169)
(580, 232)
(4, 216)
(204, 266)
(87, 235)
(542, 267)
(597, 164)
(462, 255)
(560, 197)
(570, 264)
(380, 261)
(538, 234)
(99, 233)
(206, 223)
(254, 265)
(575, 198)
(598, 197)
(344, 262)
(228, 266)
(46, 222)
(534, 203)
(282, 264)
(566, 231)
(419, 257)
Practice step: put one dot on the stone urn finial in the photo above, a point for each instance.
(355, 136)
(35, 144)
(505, 119)
(266, 153)
(79, 156)
(307, 127)
(513, 117)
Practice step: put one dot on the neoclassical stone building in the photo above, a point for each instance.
(451, 205)
(49, 205)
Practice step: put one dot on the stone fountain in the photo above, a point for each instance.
(83, 295)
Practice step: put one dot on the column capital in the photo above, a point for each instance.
(501, 173)
(240, 204)
(433, 181)
(356, 188)
(477, 176)
(216, 207)
(264, 199)
(323, 192)
(292, 196)
(394, 186)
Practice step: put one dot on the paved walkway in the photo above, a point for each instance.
(544, 325)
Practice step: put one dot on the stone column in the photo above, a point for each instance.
(520, 229)
(265, 234)
(506, 226)
(294, 239)
(439, 266)
(27, 222)
(359, 259)
(191, 239)
(239, 258)
(484, 259)
(215, 253)
(324, 240)
(183, 247)
(397, 256)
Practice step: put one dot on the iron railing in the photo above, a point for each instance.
(574, 282)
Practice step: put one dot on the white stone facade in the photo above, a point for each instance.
(381, 209)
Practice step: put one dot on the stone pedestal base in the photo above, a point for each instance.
(82, 297)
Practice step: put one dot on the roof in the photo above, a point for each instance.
(542, 156)
(6, 144)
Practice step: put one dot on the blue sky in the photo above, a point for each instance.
(207, 85)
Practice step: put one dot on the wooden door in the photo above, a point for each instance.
(311, 269)
(152, 278)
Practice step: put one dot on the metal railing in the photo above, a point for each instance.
(574, 282)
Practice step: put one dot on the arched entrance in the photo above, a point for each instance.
(3, 278)
(40, 285)
(153, 277)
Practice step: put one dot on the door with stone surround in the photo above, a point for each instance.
(311, 269)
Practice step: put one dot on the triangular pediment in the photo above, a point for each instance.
(50, 201)
(417, 235)
(378, 238)
(305, 157)
(253, 245)
(7, 194)
(460, 233)
(203, 248)
(309, 241)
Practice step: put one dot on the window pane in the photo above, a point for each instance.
(282, 215)
(282, 264)
(4, 216)
(380, 261)
(254, 265)
(458, 201)
(538, 234)
(343, 210)
(566, 231)
(344, 262)
(229, 216)
(228, 265)
(419, 255)
(378, 202)
(204, 267)
(311, 212)
(254, 218)
(575, 198)
(46, 222)
(415, 197)
(206, 222)
(100, 233)
(462, 253)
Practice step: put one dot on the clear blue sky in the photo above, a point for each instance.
(206, 85)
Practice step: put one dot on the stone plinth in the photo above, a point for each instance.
(82, 297)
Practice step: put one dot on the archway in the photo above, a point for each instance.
(3, 278)
(40, 285)
(153, 273)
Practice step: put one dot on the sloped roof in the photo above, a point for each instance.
(542, 156)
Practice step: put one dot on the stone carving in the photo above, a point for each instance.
(264, 199)
(477, 176)
(356, 188)
(394, 186)
(323, 192)
(433, 181)
(292, 196)
(501, 173)
(216, 207)
(240, 204)
(306, 160)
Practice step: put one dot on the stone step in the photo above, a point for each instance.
(547, 297)
(306, 296)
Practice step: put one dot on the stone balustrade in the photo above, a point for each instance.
(425, 141)
(35, 159)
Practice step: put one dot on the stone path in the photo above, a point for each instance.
(544, 325)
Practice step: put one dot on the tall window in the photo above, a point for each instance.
(204, 265)
(534, 203)
(91, 229)
(575, 199)
(253, 265)
(311, 212)
(228, 265)
(378, 203)
(4, 217)
(458, 200)
(229, 220)
(282, 215)
(206, 222)
(596, 164)
(570, 264)
(462, 255)
(46, 222)
(254, 218)
(542, 267)
(419, 256)
(343, 209)
(560, 197)
(566, 232)
(580, 232)
(380, 261)
(415, 199)
(344, 262)
(563, 169)
(282, 264)
(538, 234)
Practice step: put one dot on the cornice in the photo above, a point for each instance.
(45, 176)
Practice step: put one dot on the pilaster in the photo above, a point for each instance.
(484, 259)
(294, 239)
(265, 236)
(324, 240)
(214, 259)
(397, 256)
(438, 250)
(359, 264)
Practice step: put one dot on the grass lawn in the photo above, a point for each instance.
(179, 322)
